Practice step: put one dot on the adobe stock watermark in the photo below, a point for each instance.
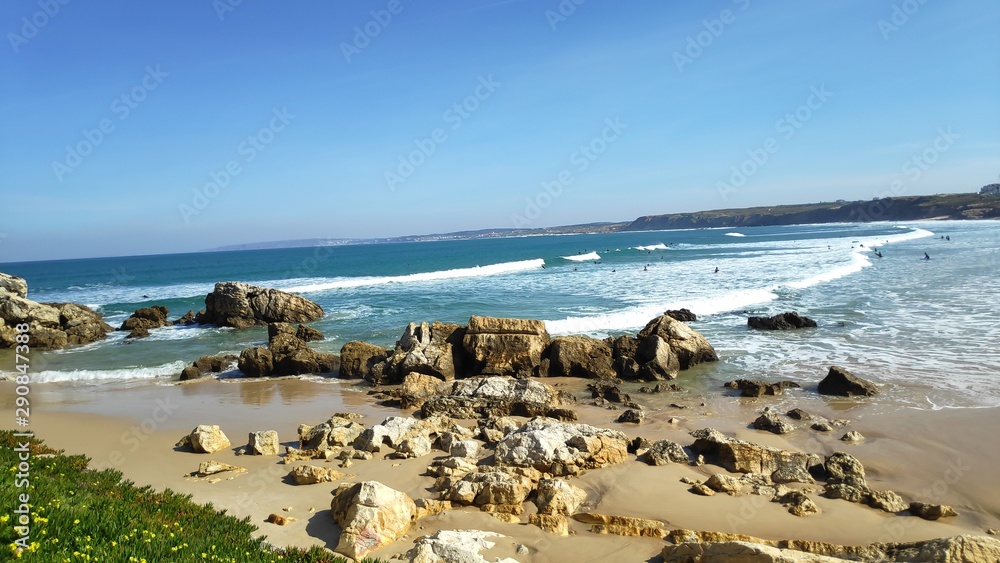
(580, 160)
(248, 149)
(454, 116)
(912, 169)
(365, 34)
(563, 11)
(122, 107)
(224, 7)
(32, 25)
(786, 128)
(696, 44)
(900, 16)
(133, 438)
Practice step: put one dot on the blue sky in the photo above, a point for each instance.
(622, 108)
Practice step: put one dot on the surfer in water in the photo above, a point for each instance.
(716, 269)
(926, 256)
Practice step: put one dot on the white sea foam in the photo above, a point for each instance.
(634, 318)
(858, 263)
(583, 257)
(735, 235)
(473, 272)
(658, 246)
(133, 372)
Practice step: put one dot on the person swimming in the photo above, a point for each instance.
(645, 268)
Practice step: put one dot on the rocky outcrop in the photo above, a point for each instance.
(579, 356)
(783, 321)
(358, 358)
(758, 388)
(432, 349)
(709, 547)
(559, 496)
(285, 354)
(417, 388)
(499, 346)
(395, 431)
(690, 347)
(496, 396)
(562, 448)
(51, 326)
(144, 319)
(841, 382)
(336, 432)
(495, 490)
(370, 515)
(242, 305)
(683, 315)
(208, 364)
(746, 457)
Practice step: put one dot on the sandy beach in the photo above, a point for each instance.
(946, 456)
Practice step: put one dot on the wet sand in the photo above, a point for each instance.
(945, 456)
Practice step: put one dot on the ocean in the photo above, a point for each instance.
(926, 329)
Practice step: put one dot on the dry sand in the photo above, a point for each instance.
(948, 456)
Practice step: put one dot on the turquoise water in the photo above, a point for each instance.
(927, 328)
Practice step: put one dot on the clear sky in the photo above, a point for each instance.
(155, 127)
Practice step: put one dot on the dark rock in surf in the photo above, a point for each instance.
(758, 388)
(580, 356)
(243, 305)
(784, 321)
(842, 383)
(684, 315)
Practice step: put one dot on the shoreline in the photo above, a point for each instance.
(915, 453)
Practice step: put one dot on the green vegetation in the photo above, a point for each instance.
(78, 514)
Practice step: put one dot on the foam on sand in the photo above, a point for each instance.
(583, 257)
(367, 281)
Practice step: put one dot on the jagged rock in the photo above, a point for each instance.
(208, 438)
(414, 446)
(662, 388)
(138, 332)
(623, 356)
(700, 489)
(631, 416)
(791, 474)
(770, 422)
(852, 436)
(430, 507)
(662, 452)
(242, 305)
(841, 382)
(798, 503)
(562, 448)
(822, 426)
(432, 349)
(190, 372)
(292, 356)
(308, 334)
(493, 396)
(783, 321)
(888, 501)
(798, 414)
(393, 431)
(312, 474)
(464, 448)
(491, 487)
(684, 315)
(495, 429)
(358, 358)
(708, 547)
(455, 433)
(52, 326)
(931, 511)
(552, 523)
(207, 468)
(622, 525)
(687, 344)
(722, 483)
(276, 329)
(608, 390)
(746, 457)
(655, 358)
(370, 515)
(417, 388)
(263, 442)
(457, 467)
(14, 285)
(256, 362)
(580, 356)
(558, 496)
(335, 432)
(453, 546)
(841, 468)
(505, 346)
(758, 388)
(214, 364)
(186, 320)
(147, 318)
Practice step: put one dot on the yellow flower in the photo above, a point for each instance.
(75, 522)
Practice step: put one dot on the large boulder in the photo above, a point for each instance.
(242, 305)
(286, 354)
(656, 359)
(357, 359)
(51, 325)
(370, 515)
(146, 318)
(562, 448)
(432, 349)
(208, 438)
(337, 431)
(498, 346)
(14, 285)
(495, 396)
(843, 383)
(623, 349)
(783, 321)
(580, 356)
(490, 488)
(417, 388)
(758, 388)
(256, 362)
(559, 496)
(687, 344)
(746, 457)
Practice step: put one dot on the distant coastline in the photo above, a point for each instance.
(962, 206)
